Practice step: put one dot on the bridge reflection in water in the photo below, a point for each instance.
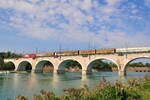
(28, 84)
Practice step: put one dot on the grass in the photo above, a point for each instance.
(134, 89)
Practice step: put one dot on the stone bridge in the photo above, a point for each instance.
(121, 61)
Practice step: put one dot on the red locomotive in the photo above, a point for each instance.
(29, 55)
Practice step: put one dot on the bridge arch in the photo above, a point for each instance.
(90, 64)
(69, 63)
(24, 66)
(10, 65)
(129, 61)
(39, 67)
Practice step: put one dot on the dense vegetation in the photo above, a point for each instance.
(98, 64)
(71, 63)
(101, 65)
(135, 89)
(7, 66)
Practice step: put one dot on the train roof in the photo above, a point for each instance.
(135, 48)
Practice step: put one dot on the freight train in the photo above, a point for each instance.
(119, 51)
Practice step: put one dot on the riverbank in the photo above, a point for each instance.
(133, 89)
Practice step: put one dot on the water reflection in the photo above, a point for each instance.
(84, 77)
(55, 80)
(30, 83)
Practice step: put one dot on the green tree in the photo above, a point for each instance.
(1, 63)
(5, 55)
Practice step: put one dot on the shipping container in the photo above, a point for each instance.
(49, 54)
(29, 55)
(66, 53)
(105, 51)
(86, 52)
(130, 50)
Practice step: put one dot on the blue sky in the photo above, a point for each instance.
(73, 24)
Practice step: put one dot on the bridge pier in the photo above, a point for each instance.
(32, 71)
(85, 72)
(122, 73)
(55, 71)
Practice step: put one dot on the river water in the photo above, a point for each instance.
(13, 84)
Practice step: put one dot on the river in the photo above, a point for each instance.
(13, 84)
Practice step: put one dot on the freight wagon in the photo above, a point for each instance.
(86, 52)
(49, 54)
(46, 54)
(105, 51)
(133, 50)
(66, 53)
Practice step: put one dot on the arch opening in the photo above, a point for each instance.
(24, 66)
(9, 66)
(141, 64)
(44, 66)
(102, 65)
(69, 66)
